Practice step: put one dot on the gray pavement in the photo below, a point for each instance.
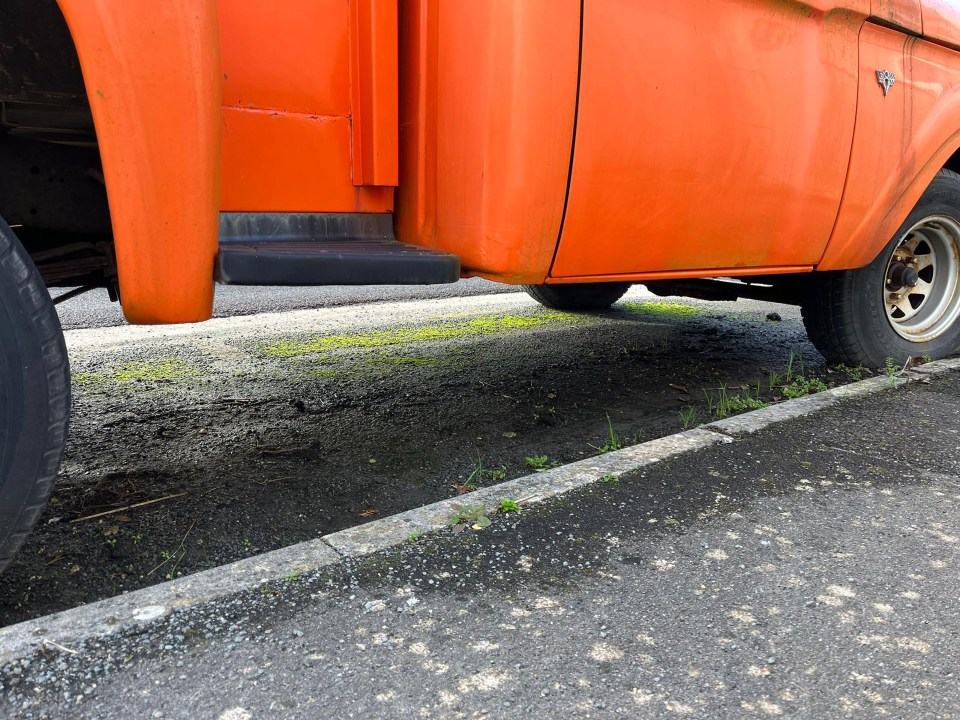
(808, 569)
(94, 309)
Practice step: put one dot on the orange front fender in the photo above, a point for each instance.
(901, 141)
(152, 74)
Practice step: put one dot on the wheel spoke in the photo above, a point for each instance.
(909, 246)
(931, 249)
(903, 305)
(921, 288)
(923, 261)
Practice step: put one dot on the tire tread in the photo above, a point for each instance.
(579, 296)
(40, 310)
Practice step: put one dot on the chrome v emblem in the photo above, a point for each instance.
(886, 80)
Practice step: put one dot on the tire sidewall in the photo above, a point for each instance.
(34, 393)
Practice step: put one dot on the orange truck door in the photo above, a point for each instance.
(711, 134)
(941, 21)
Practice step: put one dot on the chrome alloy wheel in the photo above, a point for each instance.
(922, 281)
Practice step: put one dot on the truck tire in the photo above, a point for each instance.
(34, 394)
(578, 296)
(904, 304)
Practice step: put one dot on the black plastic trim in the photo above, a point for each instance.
(324, 249)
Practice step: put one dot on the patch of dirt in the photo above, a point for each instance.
(171, 475)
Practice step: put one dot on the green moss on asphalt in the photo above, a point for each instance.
(663, 309)
(478, 327)
(163, 370)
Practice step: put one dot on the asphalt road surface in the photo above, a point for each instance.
(251, 433)
(94, 309)
(808, 571)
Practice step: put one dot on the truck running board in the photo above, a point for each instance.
(324, 249)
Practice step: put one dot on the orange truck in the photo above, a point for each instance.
(803, 152)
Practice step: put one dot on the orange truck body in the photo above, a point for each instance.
(544, 141)
(800, 151)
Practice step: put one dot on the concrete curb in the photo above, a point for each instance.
(135, 610)
(937, 368)
(526, 490)
(751, 422)
(139, 608)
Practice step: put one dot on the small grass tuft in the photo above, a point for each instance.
(481, 474)
(614, 440)
(892, 368)
(540, 462)
(726, 403)
(688, 417)
(508, 505)
(854, 374)
(473, 515)
(801, 386)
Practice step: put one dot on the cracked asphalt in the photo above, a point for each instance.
(807, 570)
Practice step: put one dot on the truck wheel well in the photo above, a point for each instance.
(953, 163)
(51, 179)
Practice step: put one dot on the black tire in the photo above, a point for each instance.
(579, 296)
(34, 394)
(851, 315)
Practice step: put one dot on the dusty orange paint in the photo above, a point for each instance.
(712, 138)
(286, 162)
(374, 76)
(152, 72)
(290, 56)
(682, 274)
(289, 105)
(902, 140)
(290, 162)
(900, 13)
(941, 21)
(708, 138)
(881, 139)
(486, 126)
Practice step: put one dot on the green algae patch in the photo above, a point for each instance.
(478, 327)
(322, 373)
(407, 360)
(663, 309)
(140, 371)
